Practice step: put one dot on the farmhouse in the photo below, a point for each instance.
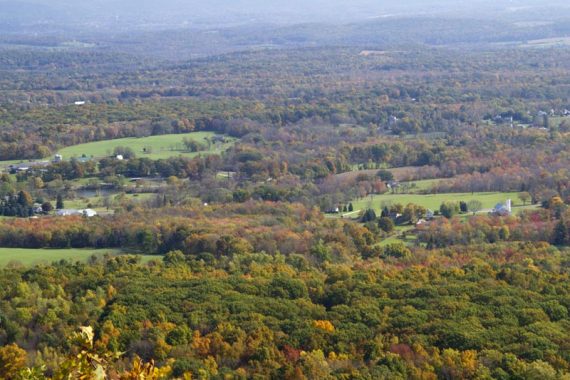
(503, 209)
(393, 185)
(421, 222)
(25, 167)
(19, 168)
(38, 209)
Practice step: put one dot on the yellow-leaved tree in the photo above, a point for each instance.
(88, 361)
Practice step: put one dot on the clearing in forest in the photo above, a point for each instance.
(153, 147)
(433, 201)
(29, 257)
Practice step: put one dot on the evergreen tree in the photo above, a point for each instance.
(368, 216)
(560, 234)
(385, 175)
(59, 202)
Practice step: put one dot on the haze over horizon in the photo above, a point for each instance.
(285, 189)
(147, 14)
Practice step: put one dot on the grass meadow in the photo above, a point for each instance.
(30, 257)
(153, 147)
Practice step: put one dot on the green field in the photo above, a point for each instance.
(30, 257)
(96, 203)
(433, 201)
(160, 147)
(424, 185)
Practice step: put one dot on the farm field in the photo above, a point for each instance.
(96, 202)
(5, 164)
(157, 147)
(423, 185)
(433, 201)
(30, 257)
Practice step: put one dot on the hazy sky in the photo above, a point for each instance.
(203, 12)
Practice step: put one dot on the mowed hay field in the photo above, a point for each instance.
(30, 257)
(433, 201)
(157, 147)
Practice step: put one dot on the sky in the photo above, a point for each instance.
(174, 13)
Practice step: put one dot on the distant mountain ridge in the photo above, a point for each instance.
(168, 13)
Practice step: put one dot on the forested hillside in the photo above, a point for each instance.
(387, 199)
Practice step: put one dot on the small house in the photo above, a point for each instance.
(393, 184)
(22, 168)
(28, 166)
(503, 209)
(67, 212)
(89, 213)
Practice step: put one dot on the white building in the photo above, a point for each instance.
(89, 213)
(503, 209)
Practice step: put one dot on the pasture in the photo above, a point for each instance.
(433, 201)
(31, 257)
(98, 202)
(153, 147)
(421, 186)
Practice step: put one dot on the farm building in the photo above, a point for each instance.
(25, 167)
(72, 212)
(503, 209)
